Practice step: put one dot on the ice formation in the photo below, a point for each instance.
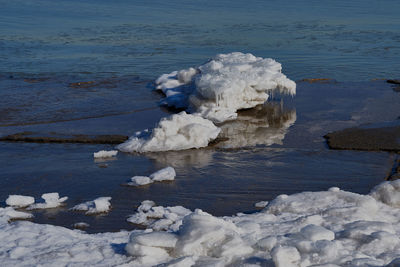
(326, 228)
(105, 154)
(139, 180)
(52, 200)
(166, 174)
(177, 132)
(158, 217)
(99, 205)
(212, 93)
(225, 84)
(19, 201)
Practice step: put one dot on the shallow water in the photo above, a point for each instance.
(345, 40)
(281, 151)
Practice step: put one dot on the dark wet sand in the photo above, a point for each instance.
(370, 139)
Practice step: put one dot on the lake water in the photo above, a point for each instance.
(122, 46)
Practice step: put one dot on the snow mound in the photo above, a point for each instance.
(310, 228)
(177, 132)
(105, 154)
(225, 84)
(99, 205)
(19, 201)
(52, 200)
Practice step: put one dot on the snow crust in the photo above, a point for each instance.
(326, 228)
(105, 154)
(212, 93)
(166, 174)
(177, 132)
(99, 205)
(52, 200)
(19, 201)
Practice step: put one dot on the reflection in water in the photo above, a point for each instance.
(265, 124)
(179, 159)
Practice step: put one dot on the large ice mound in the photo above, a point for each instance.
(212, 93)
(177, 132)
(224, 85)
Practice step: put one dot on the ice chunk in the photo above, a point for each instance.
(177, 132)
(314, 233)
(261, 204)
(99, 205)
(52, 200)
(105, 154)
(158, 217)
(167, 173)
(9, 213)
(139, 180)
(19, 201)
(225, 84)
(285, 256)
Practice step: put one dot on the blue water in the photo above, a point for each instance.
(345, 40)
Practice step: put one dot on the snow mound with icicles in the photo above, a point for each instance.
(224, 85)
(212, 93)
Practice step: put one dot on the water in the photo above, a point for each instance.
(347, 41)
(120, 47)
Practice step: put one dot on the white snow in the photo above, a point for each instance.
(177, 132)
(52, 200)
(19, 201)
(326, 228)
(105, 154)
(99, 205)
(166, 174)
